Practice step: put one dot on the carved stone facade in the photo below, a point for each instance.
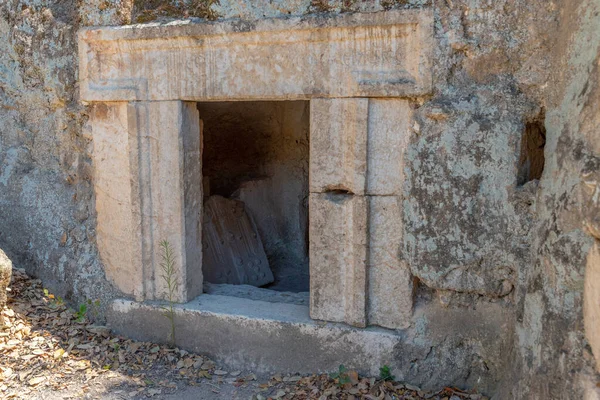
(356, 70)
(430, 122)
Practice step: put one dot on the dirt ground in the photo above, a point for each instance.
(48, 351)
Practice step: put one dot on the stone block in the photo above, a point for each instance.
(119, 242)
(233, 252)
(591, 301)
(389, 132)
(390, 281)
(338, 252)
(148, 189)
(5, 276)
(190, 133)
(260, 336)
(386, 54)
(338, 145)
(167, 190)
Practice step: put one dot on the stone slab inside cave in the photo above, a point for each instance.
(257, 153)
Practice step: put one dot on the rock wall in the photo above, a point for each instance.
(46, 191)
(553, 357)
(476, 237)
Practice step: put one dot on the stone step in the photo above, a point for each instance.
(259, 336)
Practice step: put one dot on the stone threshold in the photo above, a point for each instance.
(257, 293)
(259, 336)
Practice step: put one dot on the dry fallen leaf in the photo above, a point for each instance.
(37, 380)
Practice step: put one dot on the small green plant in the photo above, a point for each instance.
(170, 278)
(81, 313)
(385, 374)
(341, 376)
(85, 308)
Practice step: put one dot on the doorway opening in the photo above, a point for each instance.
(255, 191)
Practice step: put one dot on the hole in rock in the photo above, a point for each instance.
(338, 190)
(531, 160)
(255, 181)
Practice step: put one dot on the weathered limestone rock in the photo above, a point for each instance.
(338, 251)
(148, 189)
(563, 268)
(338, 145)
(366, 55)
(5, 275)
(232, 250)
(591, 303)
(456, 229)
(389, 122)
(390, 281)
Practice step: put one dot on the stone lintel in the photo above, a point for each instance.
(383, 54)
